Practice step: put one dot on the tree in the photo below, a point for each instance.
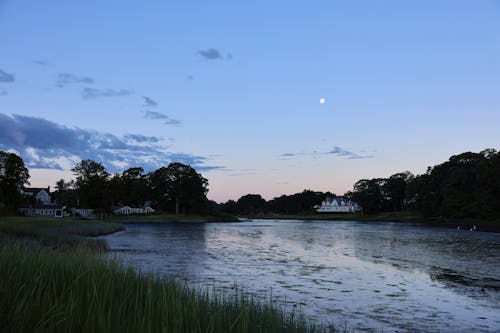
(65, 192)
(395, 188)
(251, 204)
(91, 184)
(369, 194)
(13, 176)
(134, 187)
(180, 186)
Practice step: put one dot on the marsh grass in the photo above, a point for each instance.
(52, 291)
(53, 280)
(62, 234)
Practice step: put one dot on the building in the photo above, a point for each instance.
(83, 212)
(41, 195)
(41, 203)
(49, 210)
(338, 205)
(127, 210)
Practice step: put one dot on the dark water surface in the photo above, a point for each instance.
(368, 276)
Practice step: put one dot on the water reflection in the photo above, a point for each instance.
(374, 276)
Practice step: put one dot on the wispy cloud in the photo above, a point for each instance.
(238, 172)
(89, 93)
(149, 102)
(3, 92)
(166, 120)
(338, 151)
(211, 54)
(45, 144)
(292, 154)
(68, 78)
(42, 62)
(6, 77)
(142, 138)
(190, 77)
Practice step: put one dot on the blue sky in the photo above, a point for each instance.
(233, 88)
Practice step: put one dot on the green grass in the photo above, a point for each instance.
(54, 280)
(43, 290)
(58, 233)
(174, 218)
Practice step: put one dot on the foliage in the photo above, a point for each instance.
(254, 204)
(52, 291)
(466, 186)
(13, 176)
(181, 187)
(92, 184)
(177, 187)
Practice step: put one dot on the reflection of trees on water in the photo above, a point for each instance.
(168, 249)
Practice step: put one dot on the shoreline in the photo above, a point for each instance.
(464, 224)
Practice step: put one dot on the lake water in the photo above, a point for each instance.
(366, 276)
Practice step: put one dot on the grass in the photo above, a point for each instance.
(174, 218)
(46, 290)
(58, 288)
(59, 233)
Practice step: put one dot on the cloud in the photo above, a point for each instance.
(338, 151)
(3, 92)
(190, 77)
(6, 77)
(291, 154)
(89, 93)
(42, 62)
(68, 78)
(161, 116)
(45, 144)
(210, 54)
(149, 102)
(142, 138)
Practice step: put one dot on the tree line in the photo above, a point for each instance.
(175, 188)
(254, 204)
(465, 186)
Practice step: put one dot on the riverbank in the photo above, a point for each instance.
(57, 233)
(53, 279)
(173, 218)
(463, 224)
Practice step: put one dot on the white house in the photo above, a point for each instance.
(83, 212)
(127, 210)
(50, 210)
(338, 205)
(41, 195)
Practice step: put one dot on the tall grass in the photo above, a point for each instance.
(50, 291)
(63, 234)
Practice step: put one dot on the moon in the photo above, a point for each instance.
(322, 100)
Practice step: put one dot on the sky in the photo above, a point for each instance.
(233, 88)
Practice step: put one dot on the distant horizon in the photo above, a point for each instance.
(258, 97)
(59, 174)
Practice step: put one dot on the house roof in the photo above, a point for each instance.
(339, 200)
(51, 206)
(35, 190)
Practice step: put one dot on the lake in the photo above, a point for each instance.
(365, 276)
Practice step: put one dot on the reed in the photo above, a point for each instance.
(62, 234)
(43, 290)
